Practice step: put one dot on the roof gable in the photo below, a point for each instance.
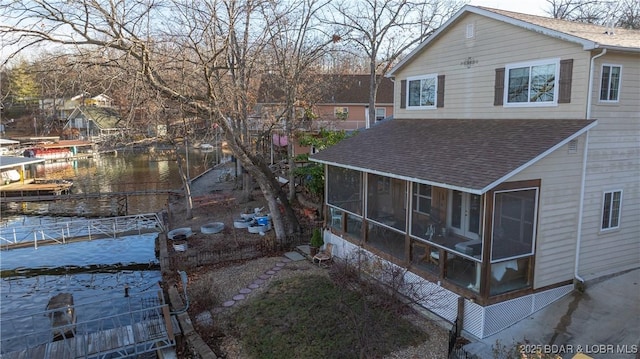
(589, 36)
(104, 117)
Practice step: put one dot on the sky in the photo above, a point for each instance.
(533, 7)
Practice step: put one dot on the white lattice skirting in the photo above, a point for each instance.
(479, 321)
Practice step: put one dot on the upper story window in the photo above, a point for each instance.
(422, 92)
(611, 210)
(532, 83)
(610, 83)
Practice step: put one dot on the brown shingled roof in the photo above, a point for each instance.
(472, 155)
(329, 89)
(620, 37)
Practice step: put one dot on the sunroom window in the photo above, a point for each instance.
(532, 83)
(513, 240)
(422, 92)
(344, 189)
(386, 201)
(514, 222)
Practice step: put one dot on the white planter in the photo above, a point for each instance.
(180, 247)
(180, 233)
(242, 223)
(256, 229)
(212, 228)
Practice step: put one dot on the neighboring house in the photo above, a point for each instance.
(340, 102)
(65, 106)
(92, 123)
(509, 172)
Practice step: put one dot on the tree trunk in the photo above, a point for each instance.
(186, 185)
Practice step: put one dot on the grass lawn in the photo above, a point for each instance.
(311, 317)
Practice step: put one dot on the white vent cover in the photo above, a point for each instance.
(470, 30)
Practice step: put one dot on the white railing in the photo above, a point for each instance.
(143, 325)
(62, 232)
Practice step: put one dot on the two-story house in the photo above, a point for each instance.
(511, 169)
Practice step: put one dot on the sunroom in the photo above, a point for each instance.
(445, 235)
(443, 198)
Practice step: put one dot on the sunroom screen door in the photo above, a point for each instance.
(465, 214)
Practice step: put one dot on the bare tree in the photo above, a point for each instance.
(297, 43)
(180, 48)
(620, 13)
(386, 30)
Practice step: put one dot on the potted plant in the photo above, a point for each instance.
(316, 242)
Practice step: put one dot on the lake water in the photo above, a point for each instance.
(92, 270)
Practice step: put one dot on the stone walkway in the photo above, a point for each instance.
(258, 282)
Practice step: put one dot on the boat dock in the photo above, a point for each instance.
(79, 230)
(149, 328)
(35, 187)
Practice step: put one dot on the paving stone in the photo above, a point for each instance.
(244, 291)
(204, 318)
(276, 268)
(264, 276)
(285, 260)
(253, 286)
(238, 297)
(270, 272)
(228, 303)
(258, 281)
(281, 264)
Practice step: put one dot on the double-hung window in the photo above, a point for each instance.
(422, 91)
(610, 83)
(532, 83)
(611, 210)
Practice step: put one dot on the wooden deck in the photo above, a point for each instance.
(138, 338)
(35, 187)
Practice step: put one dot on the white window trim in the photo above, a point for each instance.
(340, 110)
(604, 195)
(619, 83)
(556, 89)
(435, 91)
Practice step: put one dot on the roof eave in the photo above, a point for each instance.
(586, 44)
(406, 178)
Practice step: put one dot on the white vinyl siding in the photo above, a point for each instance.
(610, 78)
(469, 66)
(560, 174)
(613, 164)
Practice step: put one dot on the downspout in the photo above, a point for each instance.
(591, 74)
(581, 208)
(584, 168)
